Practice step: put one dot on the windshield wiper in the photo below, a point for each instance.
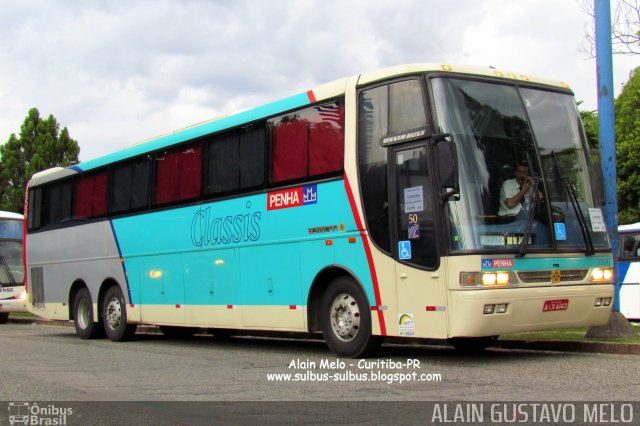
(7, 270)
(584, 229)
(533, 204)
(570, 190)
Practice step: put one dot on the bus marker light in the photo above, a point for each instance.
(352, 240)
(488, 309)
(501, 308)
(329, 242)
(154, 274)
(468, 278)
(293, 307)
(446, 67)
(229, 306)
(122, 260)
(219, 262)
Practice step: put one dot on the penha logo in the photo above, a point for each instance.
(294, 197)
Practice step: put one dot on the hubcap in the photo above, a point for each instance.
(113, 313)
(84, 314)
(345, 317)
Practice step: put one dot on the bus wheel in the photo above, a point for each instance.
(178, 332)
(472, 344)
(346, 319)
(4, 317)
(114, 315)
(86, 327)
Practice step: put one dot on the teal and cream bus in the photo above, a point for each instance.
(362, 208)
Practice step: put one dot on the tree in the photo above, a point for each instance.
(41, 145)
(627, 116)
(625, 28)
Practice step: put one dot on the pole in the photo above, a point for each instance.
(607, 132)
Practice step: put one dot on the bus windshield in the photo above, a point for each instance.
(11, 266)
(524, 183)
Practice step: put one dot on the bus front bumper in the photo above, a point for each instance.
(14, 304)
(527, 309)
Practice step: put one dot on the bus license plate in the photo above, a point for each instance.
(555, 305)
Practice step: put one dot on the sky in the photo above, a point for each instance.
(119, 72)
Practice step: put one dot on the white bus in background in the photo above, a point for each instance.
(12, 294)
(629, 245)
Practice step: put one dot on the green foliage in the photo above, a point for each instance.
(590, 123)
(41, 145)
(627, 113)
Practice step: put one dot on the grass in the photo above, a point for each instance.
(571, 334)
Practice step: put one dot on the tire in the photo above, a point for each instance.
(86, 325)
(472, 344)
(346, 320)
(4, 317)
(114, 316)
(178, 332)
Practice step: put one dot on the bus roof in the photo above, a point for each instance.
(318, 93)
(10, 215)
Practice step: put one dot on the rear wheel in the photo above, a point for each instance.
(114, 316)
(86, 326)
(178, 332)
(346, 319)
(472, 344)
(4, 317)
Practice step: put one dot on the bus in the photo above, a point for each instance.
(360, 209)
(629, 246)
(12, 294)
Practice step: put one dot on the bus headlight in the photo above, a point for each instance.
(23, 296)
(601, 275)
(491, 279)
(486, 279)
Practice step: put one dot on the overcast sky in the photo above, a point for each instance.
(118, 72)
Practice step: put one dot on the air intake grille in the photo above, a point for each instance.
(530, 277)
(36, 288)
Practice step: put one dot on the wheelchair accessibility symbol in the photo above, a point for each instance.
(561, 233)
(404, 250)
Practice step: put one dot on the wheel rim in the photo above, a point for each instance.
(113, 313)
(345, 317)
(84, 313)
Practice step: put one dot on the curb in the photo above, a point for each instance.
(534, 345)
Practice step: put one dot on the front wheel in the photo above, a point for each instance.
(346, 319)
(86, 326)
(114, 316)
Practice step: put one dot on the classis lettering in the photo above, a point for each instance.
(211, 231)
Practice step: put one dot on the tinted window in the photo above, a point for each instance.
(372, 125)
(236, 160)
(90, 196)
(178, 175)
(307, 142)
(56, 205)
(130, 186)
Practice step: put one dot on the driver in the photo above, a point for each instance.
(516, 193)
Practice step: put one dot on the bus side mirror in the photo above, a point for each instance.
(447, 163)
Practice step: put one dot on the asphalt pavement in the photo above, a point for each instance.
(587, 345)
